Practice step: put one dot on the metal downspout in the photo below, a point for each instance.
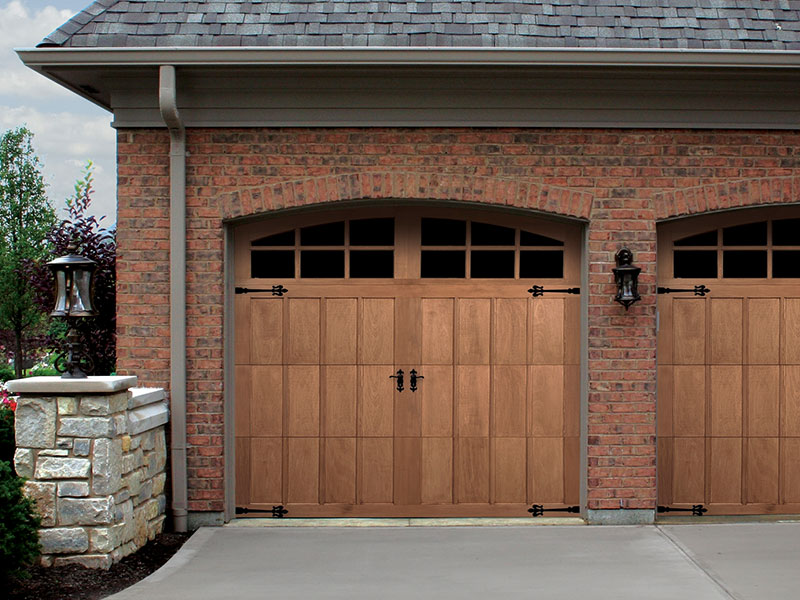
(168, 105)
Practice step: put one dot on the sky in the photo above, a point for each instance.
(68, 130)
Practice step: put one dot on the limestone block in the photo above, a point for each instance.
(56, 467)
(134, 481)
(35, 423)
(87, 427)
(86, 511)
(152, 463)
(162, 504)
(106, 466)
(82, 447)
(44, 494)
(141, 396)
(124, 515)
(128, 462)
(64, 540)
(90, 561)
(145, 493)
(54, 452)
(73, 489)
(64, 443)
(155, 527)
(122, 495)
(140, 524)
(158, 483)
(138, 459)
(161, 440)
(96, 406)
(68, 405)
(148, 440)
(105, 539)
(121, 423)
(125, 440)
(23, 462)
(151, 509)
(147, 417)
(136, 442)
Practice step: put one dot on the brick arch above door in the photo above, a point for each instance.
(725, 195)
(504, 191)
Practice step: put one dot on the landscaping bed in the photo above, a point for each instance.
(74, 582)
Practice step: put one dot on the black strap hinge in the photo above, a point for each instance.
(537, 510)
(697, 510)
(698, 290)
(537, 290)
(276, 290)
(277, 512)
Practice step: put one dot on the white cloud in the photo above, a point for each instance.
(68, 130)
(65, 142)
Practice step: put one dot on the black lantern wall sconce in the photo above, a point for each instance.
(74, 276)
(626, 276)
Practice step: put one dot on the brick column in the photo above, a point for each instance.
(93, 452)
(622, 366)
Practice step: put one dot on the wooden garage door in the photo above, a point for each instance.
(729, 364)
(491, 426)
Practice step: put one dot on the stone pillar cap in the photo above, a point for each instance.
(56, 386)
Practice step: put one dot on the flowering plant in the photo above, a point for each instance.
(6, 401)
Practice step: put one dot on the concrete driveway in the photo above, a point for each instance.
(692, 562)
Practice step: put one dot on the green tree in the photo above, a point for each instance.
(26, 217)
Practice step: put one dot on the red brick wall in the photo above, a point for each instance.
(621, 181)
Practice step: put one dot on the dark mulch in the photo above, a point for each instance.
(74, 582)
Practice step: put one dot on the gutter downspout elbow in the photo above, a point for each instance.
(168, 105)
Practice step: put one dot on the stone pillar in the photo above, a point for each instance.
(93, 452)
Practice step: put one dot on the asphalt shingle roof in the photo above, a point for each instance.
(695, 24)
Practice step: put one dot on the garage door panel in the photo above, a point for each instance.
(688, 459)
(244, 384)
(266, 400)
(436, 394)
(376, 469)
(509, 464)
(408, 342)
(437, 331)
(302, 400)
(472, 470)
(510, 325)
(266, 465)
(572, 461)
(546, 341)
(376, 402)
(473, 327)
(572, 400)
(546, 400)
(689, 401)
(790, 413)
(688, 331)
(303, 331)
(509, 393)
(339, 405)
(665, 406)
(242, 472)
(726, 401)
(340, 470)
(666, 468)
(341, 331)
(762, 470)
(791, 331)
(302, 470)
(472, 400)
(763, 331)
(407, 470)
(763, 400)
(790, 467)
(726, 470)
(437, 470)
(726, 331)
(376, 327)
(243, 330)
(545, 470)
(266, 331)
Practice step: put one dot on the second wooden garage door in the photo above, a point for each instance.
(489, 427)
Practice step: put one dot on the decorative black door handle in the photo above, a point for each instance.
(399, 378)
(414, 378)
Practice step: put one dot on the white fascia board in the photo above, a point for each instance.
(377, 56)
